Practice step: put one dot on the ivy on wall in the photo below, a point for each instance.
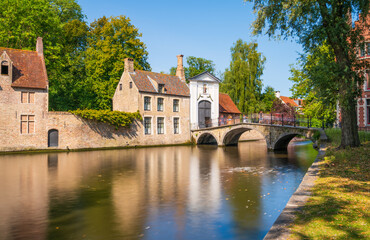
(115, 118)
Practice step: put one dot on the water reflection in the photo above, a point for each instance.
(150, 193)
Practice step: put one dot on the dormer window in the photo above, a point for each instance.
(160, 88)
(4, 68)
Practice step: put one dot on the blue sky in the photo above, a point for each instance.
(200, 28)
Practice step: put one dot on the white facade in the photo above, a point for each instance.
(204, 88)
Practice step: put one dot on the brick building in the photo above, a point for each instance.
(162, 100)
(229, 113)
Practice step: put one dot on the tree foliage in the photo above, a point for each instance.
(242, 80)
(310, 83)
(195, 66)
(114, 118)
(314, 23)
(279, 107)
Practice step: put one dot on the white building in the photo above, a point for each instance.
(204, 100)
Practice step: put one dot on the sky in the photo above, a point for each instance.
(200, 28)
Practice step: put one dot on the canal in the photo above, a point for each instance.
(183, 192)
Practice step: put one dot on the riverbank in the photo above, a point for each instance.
(339, 205)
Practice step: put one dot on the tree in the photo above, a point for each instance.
(319, 103)
(243, 80)
(196, 66)
(109, 41)
(279, 107)
(313, 23)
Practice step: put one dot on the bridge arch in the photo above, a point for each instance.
(231, 138)
(283, 140)
(207, 138)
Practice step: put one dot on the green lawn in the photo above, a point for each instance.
(340, 205)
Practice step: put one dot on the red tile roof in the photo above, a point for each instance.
(226, 105)
(289, 100)
(172, 84)
(28, 68)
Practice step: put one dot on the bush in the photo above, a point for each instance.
(115, 118)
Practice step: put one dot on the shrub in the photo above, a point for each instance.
(115, 118)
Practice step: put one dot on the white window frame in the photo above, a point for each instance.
(164, 125)
(173, 100)
(150, 105)
(163, 106)
(173, 125)
(151, 124)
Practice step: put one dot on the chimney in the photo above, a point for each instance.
(129, 65)
(180, 72)
(277, 94)
(39, 46)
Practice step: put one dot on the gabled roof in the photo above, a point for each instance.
(226, 105)
(28, 68)
(289, 100)
(203, 77)
(172, 84)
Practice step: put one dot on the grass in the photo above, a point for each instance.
(340, 204)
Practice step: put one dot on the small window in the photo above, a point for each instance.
(146, 103)
(160, 125)
(362, 51)
(176, 129)
(27, 124)
(160, 88)
(160, 104)
(130, 84)
(120, 86)
(205, 88)
(368, 110)
(148, 125)
(368, 79)
(175, 105)
(368, 48)
(27, 97)
(4, 68)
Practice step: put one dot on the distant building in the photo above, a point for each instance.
(296, 103)
(229, 113)
(204, 100)
(162, 100)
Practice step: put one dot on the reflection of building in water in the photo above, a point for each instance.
(24, 197)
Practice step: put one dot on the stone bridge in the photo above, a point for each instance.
(277, 137)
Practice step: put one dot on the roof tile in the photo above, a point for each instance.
(226, 104)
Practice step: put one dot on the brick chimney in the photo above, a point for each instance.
(129, 65)
(180, 72)
(277, 94)
(39, 46)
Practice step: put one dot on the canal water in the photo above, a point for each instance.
(187, 192)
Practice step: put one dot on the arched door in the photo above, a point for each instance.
(204, 114)
(53, 138)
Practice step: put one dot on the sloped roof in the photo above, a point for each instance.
(289, 100)
(172, 84)
(226, 105)
(28, 68)
(200, 76)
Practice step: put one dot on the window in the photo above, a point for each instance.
(367, 86)
(205, 88)
(130, 84)
(176, 126)
(148, 125)
(368, 110)
(175, 105)
(160, 125)
(146, 103)
(160, 104)
(160, 88)
(368, 48)
(362, 51)
(4, 68)
(120, 86)
(27, 97)
(27, 124)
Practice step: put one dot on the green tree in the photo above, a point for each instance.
(313, 23)
(319, 103)
(109, 41)
(243, 80)
(196, 66)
